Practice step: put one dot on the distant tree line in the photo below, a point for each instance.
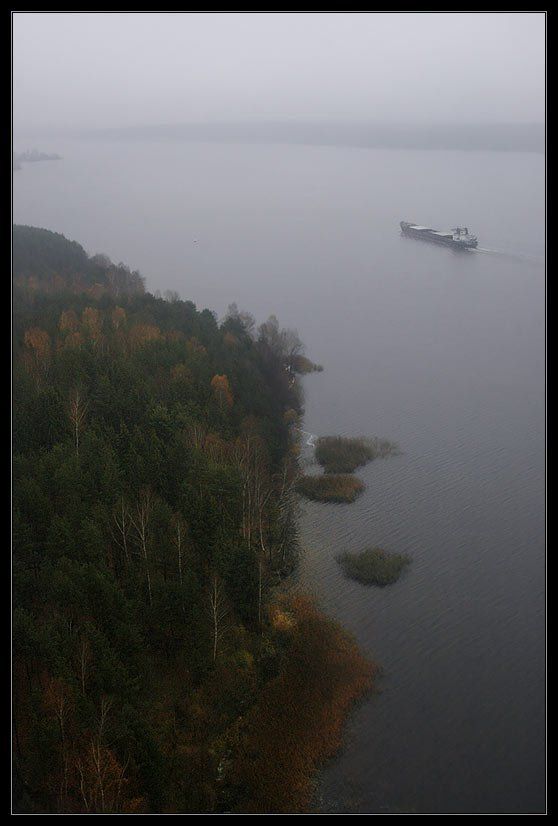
(44, 261)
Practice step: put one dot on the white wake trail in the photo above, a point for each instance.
(515, 255)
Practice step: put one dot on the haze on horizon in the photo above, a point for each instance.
(75, 71)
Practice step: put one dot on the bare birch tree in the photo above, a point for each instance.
(77, 414)
(196, 435)
(101, 777)
(218, 613)
(122, 522)
(84, 662)
(140, 521)
(180, 532)
(61, 711)
(257, 490)
(287, 506)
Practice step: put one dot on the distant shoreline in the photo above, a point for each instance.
(487, 137)
(32, 157)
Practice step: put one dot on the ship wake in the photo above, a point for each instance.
(518, 256)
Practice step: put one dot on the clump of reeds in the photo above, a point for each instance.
(338, 454)
(303, 365)
(373, 566)
(330, 487)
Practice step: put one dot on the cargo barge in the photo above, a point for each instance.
(458, 238)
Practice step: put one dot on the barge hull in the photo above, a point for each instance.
(446, 239)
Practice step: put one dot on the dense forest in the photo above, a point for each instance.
(154, 519)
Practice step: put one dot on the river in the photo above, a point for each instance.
(443, 353)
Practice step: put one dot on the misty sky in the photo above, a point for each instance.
(102, 69)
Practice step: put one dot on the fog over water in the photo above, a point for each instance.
(439, 351)
(90, 70)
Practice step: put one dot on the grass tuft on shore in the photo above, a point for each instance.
(338, 454)
(330, 488)
(373, 566)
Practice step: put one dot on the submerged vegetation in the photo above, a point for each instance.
(338, 454)
(153, 508)
(330, 487)
(373, 566)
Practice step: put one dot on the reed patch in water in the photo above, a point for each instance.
(303, 365)
(373, 566)
(330, 487)
(338, 454)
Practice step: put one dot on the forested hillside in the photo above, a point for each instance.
(154, 462)
(47, 260)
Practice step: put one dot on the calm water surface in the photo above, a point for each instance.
(440, 351)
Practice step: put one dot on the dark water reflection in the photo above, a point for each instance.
(441, 352)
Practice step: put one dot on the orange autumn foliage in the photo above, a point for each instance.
(37, 354)
(91, 320)
(290, 416)
(71, 340)
(230, 340)
(68, 322)
(281, 619)
(38, 341)
(222, 391)
(96, 291)
(84, 776)
(102, 783)
(298, 720)
(142, 334)
(216, 448)
(118, 317)
(175, 336)
(181, 372)
(194, 346)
